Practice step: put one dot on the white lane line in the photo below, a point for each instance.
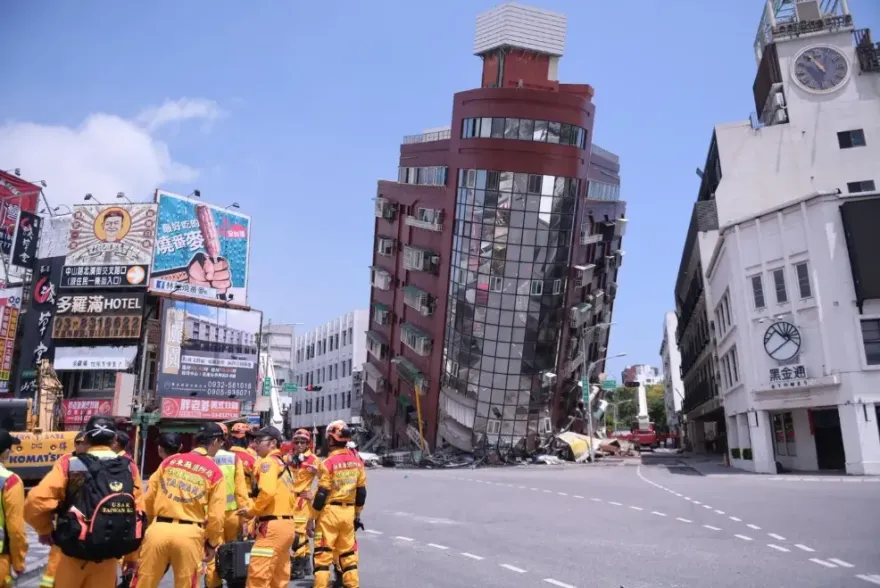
(558, 583)
(743, 537)
(521, 487)
(778, 548)
(547, 491)
(513, 568)
(713, 528)
(596, 499)
(659, 514)
(437, 546)
(755, 527)
(697, 502)
(775, 536)
(374, 532)
(402, 538)
(719, 511)
(535, 489)
(637, 508)
(471, 555)
(562, 493)
(615, 503)
(677, 494)
(735, 519)
(576, 496)
(804, 548)
(840, 562)
(873, 578)
(707, 506)
(683, 520)
(822, 562)
(688, 498)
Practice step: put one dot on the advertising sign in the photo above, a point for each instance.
(193, 408)
(36, 342)
(10, 307)
(79, 411)
(105, 276)
(15, 195)
(106, 358)
(208, 351)
(25, 239)
(201, 250)
(99, 316)
(112, 235)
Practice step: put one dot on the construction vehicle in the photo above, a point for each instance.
(41, 444)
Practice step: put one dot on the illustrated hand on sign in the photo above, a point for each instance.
(212, 273)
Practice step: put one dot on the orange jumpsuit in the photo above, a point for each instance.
(14, 545)
(339, 500)
(306, 472)
(187, 499)
(39, 511)
(48, 579)
(241, 498)
(250, 463)
(275, 528)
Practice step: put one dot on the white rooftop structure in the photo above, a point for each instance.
(523, 27)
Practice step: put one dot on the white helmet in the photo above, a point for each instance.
(351, 445)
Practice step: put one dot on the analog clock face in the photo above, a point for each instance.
(782, 341)
(820, 69)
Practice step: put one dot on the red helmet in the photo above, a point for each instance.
(339, 432)
(286, 447)
(302, 434)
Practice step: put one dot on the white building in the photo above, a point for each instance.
(279, 339)
(791, 283)
(640, 373)
(326, 357)
(671, 358)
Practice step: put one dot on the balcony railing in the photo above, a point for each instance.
(418, 300)
(578, 315)
(696, 395)
(409, 373)
(583, 274)
(412, 221)
(428, 137)
(867, 51)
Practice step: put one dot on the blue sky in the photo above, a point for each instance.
(295, 109)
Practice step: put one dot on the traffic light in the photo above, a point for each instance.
(313, 388)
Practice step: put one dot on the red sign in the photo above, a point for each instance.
(79, 411)
(199, 409)
(15, 194)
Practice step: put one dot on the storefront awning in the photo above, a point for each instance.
(95, 358)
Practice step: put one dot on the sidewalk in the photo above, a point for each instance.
(711, 466)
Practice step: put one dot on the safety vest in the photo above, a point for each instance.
(4, 475)
(226, 461)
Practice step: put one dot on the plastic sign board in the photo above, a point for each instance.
(289, 387)
(609, 384)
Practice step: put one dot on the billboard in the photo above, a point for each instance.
(201, 250)
(121, 234)
(195, 409)
(79, 411)
(10, 307)
(25, 239)
(37, 343)
(105, 315)
(208, 351)
(15, 195)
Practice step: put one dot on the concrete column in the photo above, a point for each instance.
(699, 438)
(861, 440)
(742, 422)
(761, 433)
(733, 438)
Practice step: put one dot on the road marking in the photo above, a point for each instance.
(778, 548)
(804, 547)
(535, 489)
(596, 499)
(562, 493)
(755, 527)
(822, 562)
(521, 487)
(743, 537)
(840, 562)
(513, 568)
(637, 508)
(576, 496)
(707, 506)
(735, 519)
(547, 491)
(677, 494)
(696, 501)
(713, 528)
(557, 583)
(402, 538)
(659, 514)
(683, 520)
(471, 555)
(437, 546)
(615, 503)
(719, 511)
(374, 532)
(873, 578)
(775, 536)
(688, 498)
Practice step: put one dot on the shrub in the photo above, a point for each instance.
(734, 453)
(747, 453)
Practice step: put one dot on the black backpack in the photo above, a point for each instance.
(100, 519)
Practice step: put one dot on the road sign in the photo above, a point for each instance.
(267, 386)
(609, 385)
(288, 387)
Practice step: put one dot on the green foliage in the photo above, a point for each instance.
(734, 452)
(627, 402)
(747, 453)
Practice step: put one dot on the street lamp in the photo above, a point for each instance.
(233, 205)
(122, 195)
(90, 197)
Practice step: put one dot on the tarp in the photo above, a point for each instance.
(580, 444)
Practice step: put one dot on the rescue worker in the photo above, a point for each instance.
(306, 467)
(273, 508)
(237, 498)
(48, 579)
(168, 444)
(341, 495)
(187, 498)
(237, 443)
(50, 496)
(14, 546)
(120, 445)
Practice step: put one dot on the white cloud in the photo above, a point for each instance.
(104, 155)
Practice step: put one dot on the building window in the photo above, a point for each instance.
(783, 429)
(803, 277)
(779, 285)
(493, 427)
(423, 176)
(871, 339)
(758, 292)
(557, 286)
(385, 246)
(602, 191)
(863, 186)
(523, 129)
(537, 288)
(849, 139)
(97, 380)
(496, 283)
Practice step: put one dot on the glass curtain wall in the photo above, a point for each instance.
(513, 233)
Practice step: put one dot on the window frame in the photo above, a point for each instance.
(756, 292)
(866, 342)
(801, 280)
(851, 137)
(536, 288)
(861, 186)
(779, 285)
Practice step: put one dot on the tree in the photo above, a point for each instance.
(657, 406)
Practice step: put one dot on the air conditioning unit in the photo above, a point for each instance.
(548, 378)
(780, 116)
(435, 259)
(779, 100)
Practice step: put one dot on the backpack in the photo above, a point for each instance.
(100, 519)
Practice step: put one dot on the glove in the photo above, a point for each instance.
(358, 524)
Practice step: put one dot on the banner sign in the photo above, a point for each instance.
(97, 327)
(103, 303)
(208, 351)
(79, 411)
(107, 358)
(15, 195)
(193, 408)
(107, 276)
(10, 307)
(112, 235)
(36, 341)
(25, 239)
(201, 250)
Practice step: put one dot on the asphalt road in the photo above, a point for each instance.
(609, 527)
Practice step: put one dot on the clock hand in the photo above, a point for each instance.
(816, 63)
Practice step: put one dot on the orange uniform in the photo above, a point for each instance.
(14, 545)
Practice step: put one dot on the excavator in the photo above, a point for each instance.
(41, 444)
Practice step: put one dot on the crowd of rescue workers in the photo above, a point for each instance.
(240, 508)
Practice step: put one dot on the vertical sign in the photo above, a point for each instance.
(10, 306)
(25, 239)
(37, 343)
